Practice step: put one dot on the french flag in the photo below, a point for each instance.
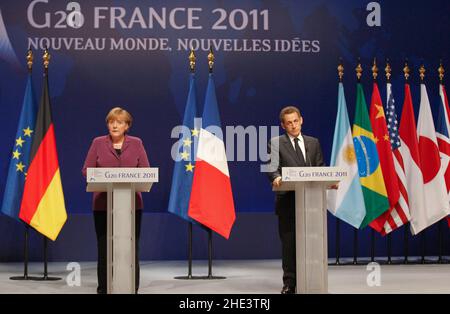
(211, 202)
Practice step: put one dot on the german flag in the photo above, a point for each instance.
(43, 205)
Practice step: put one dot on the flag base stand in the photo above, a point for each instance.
(441, 258)
(338, 244)
(354, 263)
(428, 262)
(396, 261)
(189, 275)
(412, 261)
(46, 277)
(23, 278)
(381, 262)
(337, 262)
(25, 262)
(200, 277)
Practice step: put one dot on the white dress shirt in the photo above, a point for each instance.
(301, 143)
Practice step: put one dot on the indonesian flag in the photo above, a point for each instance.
(42, 204)
(211, 202)
(380, 131)
(436, 199)
(443, 137)
(409, 151)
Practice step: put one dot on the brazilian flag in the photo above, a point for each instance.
(371, 177)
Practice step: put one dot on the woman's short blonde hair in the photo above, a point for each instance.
(117, 112)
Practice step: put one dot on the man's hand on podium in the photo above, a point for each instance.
(277, 182)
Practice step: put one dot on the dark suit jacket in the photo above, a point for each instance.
(282, 154)
(103, 155)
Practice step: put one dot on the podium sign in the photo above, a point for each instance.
(99, 178)
(121, 185)
(310, 184)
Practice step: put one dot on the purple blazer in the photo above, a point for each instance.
(103, 155)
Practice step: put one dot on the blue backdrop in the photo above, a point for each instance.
(268, 54)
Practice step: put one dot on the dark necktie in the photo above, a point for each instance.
(299, 153)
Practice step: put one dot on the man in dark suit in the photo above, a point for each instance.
(293, 149)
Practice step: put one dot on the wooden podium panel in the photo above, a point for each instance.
(121, 185)
(310, 185)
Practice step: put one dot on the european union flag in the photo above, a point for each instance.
(20, 155)
(183, 172)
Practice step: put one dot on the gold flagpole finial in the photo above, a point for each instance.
(211, 60)
(359, 70)
(374, 69)
(30, 59)
(192, 59)
(406, 70)
(46, 58)
(340, 69)
(388, 70)
(441, 72)
(422, 72)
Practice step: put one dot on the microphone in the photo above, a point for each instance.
(306, 157)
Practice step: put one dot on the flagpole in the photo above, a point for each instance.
(440, 242)
(189, 275)
(210, 248)
(46, 277)
(211, 60)
(46, 61)
(190, 252)
(405, 234)
(355, 234)
(338, 235)
(423, 260)
(441, 260)
(27, 227)
(192, 60)
(387, 69)
(338, 223)
(372, 233)
(423, 245)
(209, 253)
(405, 245)
(372, 246)
(26, 258)
(355, 247)
(389, 249)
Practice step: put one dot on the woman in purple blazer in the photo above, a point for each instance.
(114, 150)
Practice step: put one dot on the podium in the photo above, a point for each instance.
(121, 185)
(310, 185)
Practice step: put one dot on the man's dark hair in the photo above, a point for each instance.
(288, 110)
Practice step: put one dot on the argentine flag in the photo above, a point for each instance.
(347, 202)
